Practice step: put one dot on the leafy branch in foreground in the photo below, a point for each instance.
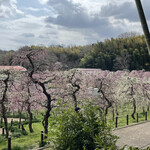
(85, 129)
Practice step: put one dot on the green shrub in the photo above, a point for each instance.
(15, 129)
(25, 122)
(16, 147)
(24, 132)
(83, 130)
(2, 139)
(16, 115)
(15, 123)
(36, 120)
(16, 134)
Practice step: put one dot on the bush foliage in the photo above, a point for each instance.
(83, 130)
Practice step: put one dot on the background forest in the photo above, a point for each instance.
(128, 51)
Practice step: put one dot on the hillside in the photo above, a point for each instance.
(125, 52)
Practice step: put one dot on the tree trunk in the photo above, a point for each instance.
(30, 123)
(22, 126)
(48, 107)
(75, 100)
(3, 108)
(48, 110)
(113, 114)
(30, 119)
(20, 116)
(143, 111)
(108, 102)
(5, 120)
(134, 109)
(6, 126)
(148, 107)
(1, 122)
(116, 111)
(106, 110)
(143, 23)
(45, 123)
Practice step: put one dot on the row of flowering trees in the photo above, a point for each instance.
(45, 82)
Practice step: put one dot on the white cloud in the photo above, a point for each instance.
(8, 8)
(21, 32)
(32, 30)
(33, 9)
(43, 1)
(69, 22)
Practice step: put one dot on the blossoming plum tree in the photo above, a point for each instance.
(45, 80)
(7, 79)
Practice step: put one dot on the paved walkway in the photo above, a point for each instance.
(135, 135)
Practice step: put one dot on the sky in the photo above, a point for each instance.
(66, 22)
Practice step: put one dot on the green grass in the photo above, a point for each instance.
(123, 112)
(32, 139)
(122, 120)
(28, 141)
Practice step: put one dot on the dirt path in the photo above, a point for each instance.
(136, 135)
(9, 120)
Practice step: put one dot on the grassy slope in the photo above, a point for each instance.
(33, 139)
(123, 112)
(30, 140)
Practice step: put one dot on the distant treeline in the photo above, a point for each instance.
(125, 52)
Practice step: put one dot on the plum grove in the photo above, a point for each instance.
(45, 83)
(104, 88)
